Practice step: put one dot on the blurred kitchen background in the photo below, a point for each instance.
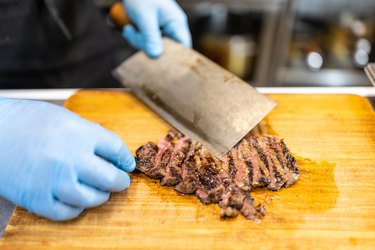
(285, 42)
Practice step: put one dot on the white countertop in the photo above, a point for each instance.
(63, 94)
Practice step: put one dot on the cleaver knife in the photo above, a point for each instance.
(195, 95)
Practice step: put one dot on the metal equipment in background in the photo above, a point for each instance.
(331, 43)
(247, 37)
(285, 42)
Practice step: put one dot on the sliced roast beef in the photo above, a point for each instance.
(145, 159)
(189, 176)
(173, 169)
(255, 162)
(210, 188)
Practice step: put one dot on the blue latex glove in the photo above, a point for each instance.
(152, 18)
(54, 163)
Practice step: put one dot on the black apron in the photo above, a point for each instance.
(56, 43)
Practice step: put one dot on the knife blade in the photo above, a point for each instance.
(370, 72)
(195, 95)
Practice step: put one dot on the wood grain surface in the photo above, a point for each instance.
(332, 206)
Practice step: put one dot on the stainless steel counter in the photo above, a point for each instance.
(58, 96)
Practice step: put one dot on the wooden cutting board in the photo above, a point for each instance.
(331, 206)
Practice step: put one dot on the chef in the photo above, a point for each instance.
(53, 162)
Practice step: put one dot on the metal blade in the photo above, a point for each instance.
(370, 72)
(198, 97)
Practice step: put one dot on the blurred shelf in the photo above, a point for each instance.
(325, 77)
(324, 8)
(244, 5)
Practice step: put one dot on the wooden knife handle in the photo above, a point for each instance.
(118, 15)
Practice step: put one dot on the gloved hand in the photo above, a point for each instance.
(152, 18)
(54, 163)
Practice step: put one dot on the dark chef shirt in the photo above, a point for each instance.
(55, 43)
